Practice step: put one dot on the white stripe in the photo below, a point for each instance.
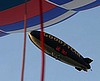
(2, 31)
(50, 22)
(77, 3)
(73, 4)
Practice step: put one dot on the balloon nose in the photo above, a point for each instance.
(35, 34)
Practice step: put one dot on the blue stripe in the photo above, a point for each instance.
(91, 5)
(3, 33)
(51, 14)
(60, 2)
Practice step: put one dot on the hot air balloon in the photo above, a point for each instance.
(54, 11)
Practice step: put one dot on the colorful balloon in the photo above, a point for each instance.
(54, 11)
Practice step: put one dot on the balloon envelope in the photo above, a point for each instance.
(54, 11)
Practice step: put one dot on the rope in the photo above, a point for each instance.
(24, 45)
(42, 41)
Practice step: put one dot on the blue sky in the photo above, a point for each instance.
(81, 31)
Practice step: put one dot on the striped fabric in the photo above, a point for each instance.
(54, 11)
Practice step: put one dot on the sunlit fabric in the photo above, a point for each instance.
(54, 11)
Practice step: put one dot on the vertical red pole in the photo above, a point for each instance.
(24, 46)
(42, 40)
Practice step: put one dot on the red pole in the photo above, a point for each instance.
(24, 46)
(42, 41)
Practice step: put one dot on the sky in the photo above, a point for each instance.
(81, 31)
